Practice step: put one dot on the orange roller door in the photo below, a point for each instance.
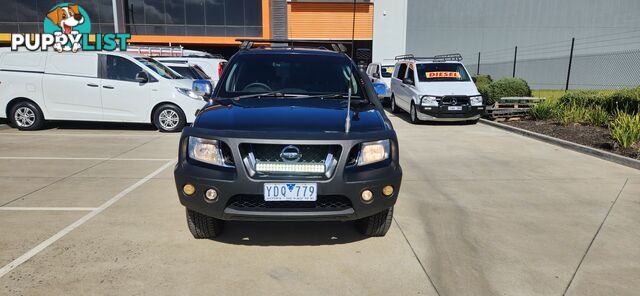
(329, 21)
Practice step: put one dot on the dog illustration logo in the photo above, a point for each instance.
(67, 27)
(69, 19)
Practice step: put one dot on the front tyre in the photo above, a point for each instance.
(26, 116)
(394, 107)
(169, 118)
(376, 225)
(414, 114)
(202, 226)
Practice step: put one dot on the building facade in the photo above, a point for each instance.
(205, 23)
(606, 32)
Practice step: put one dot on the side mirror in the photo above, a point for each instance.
(202, 88)
(380, 88)
(142, 77)
(376, 75)
(407, 81)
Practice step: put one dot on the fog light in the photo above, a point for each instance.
(387, 190)
(211, 195)
(366, 196)
(189, 189)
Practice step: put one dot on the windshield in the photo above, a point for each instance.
(387, 71)
(186, 72)
(442, 72)
(290, 74)
(200, 72)
(160, 69)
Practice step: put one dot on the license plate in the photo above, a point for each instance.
(455, 108)
(290, 191)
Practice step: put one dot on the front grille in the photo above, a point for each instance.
(290, 160)
(310, 153)
(257, 203)
(455, 101)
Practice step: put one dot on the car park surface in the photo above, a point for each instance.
(86, 209)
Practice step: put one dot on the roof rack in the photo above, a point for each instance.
(246, 44)
(171, 51)
(456, 57)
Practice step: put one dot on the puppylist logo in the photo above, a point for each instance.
(67, 27)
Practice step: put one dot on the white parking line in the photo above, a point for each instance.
(41, 134)
(46, 209)
(81, 158)
(43, 245)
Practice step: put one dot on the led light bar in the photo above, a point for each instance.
(289, 167)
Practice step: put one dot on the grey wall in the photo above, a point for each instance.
(542, 29)
(389, 25)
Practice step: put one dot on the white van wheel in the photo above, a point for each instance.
(169, 118)
(414, 114)
(26, 116)
(394, 107)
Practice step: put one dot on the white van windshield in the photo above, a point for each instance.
(436, 72)
(160, 69)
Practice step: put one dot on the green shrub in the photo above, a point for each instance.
(597, 116)
(583, 98)
(484, 92)
(627, 100)
(507, 87)
(483, 80)
(546, 109)
(572, 114)
(625, 129)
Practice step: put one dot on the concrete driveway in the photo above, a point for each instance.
(88, 210)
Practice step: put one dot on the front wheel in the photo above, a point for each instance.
(376, 225)
(414, 114)
(202, 226)
(394, 107)
(26, 116)
(169, 118)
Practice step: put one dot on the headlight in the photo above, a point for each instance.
(476, 101)
(371, 152)
(205, 150)
(429, 101)
(189, 93)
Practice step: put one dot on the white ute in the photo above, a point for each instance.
(435, 88)
(93, 86)
(381, 73)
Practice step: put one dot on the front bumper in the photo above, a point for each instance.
(442, 113)
(235, 183)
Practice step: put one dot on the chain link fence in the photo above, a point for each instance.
(597, 62)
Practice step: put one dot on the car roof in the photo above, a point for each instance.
(301, 51)
(184, 65)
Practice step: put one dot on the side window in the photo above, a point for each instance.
(370, 69)
(401, 71)
(411, 75)
(119, 68)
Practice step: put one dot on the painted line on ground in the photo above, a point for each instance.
(46, 209)
(81, 158)
(39, 134)
(604, 155)
(43, 245)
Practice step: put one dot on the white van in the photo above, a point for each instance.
(93, 86)
(435, 89)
